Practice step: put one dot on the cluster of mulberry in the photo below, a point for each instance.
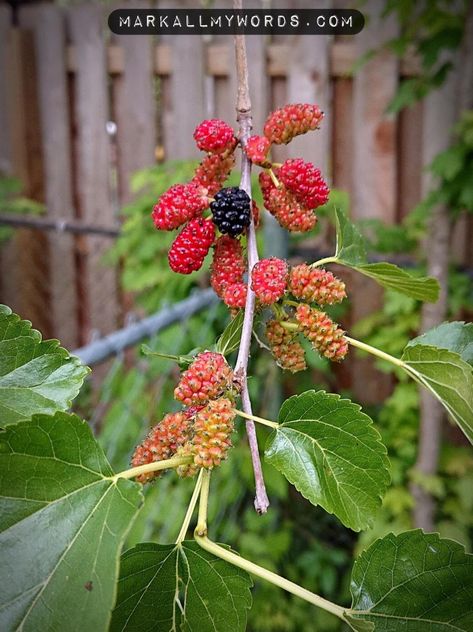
(202, 430)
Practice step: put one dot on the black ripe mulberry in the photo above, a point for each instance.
(231, 211)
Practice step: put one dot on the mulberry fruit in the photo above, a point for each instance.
(191, 246)
(286, 349)
(231, 211)
(304, 181)
(179, 204)
(214, 136)
(326, 337)
(162, 443)
(284, 124)
(234, 295)
(213, 171)
(316, 285)
(213, 426)
(206, 378)
(257, 149)
(284, 207)
(268, 280)
(228, 265)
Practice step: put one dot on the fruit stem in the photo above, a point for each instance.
(190, 509)
(276, 182)
(289, 326)
(201, 528)
(243, 107)
(322, 262)
(269, 576)
(376, 352)
(260, 420)
(176, 461)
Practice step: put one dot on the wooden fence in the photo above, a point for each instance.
(66, 76)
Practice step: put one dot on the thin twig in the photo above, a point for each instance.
(244, 119)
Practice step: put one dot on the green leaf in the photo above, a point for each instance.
(413, 582)
(230, 339)
(165, 588)
(331, 452)
(35, 376)
(351, 246)
(390, 276)
(63, 521)
(446, 376)
(456, 336)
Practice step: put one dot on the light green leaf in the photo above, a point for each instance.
(35, 376)
(181, 360)
(165, 588)
(331, 452)
(456, 336)
(63, 521)
(415, 582)
(351, 252)
(351, 246)
(390, 276)
(230, 339)
(446, 376)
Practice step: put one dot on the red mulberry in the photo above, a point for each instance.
(268, 280)
(179, 204)
(228, 265)
(304, 181)
(286, 209)
(206, 378)
(191, 246)
(214, 136)
(284, 124)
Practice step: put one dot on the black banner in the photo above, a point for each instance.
(229, 22)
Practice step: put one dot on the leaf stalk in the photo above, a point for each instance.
(176, 461)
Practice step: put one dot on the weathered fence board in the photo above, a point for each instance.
(100, 307)
(46, 23)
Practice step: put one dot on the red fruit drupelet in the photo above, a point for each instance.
(228, 265)
(269, 280)
(325, 335)
(316, 285)
(285, 208)
(234, 295)
(162, 442)
(179, 204)
(191, 246)
(284, 124)
(214, 136)
(257, 149)
(304, 181)
(213, 171)
(206, 378)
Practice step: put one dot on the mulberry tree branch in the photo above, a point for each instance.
(244, 119)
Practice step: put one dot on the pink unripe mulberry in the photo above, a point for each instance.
(286, 349)
(162, 443)
(208, 376)
(284, 124)
(228, 264)
(213, 171)
(213, 427)
(315, 285)
(269, 279)
(325, 335)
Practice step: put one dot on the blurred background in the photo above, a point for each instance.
(94, 127)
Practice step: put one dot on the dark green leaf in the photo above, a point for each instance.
(351, 247)
(456, 336)
(230, 339)
(35, 376)
(415, 582)
(63, 521)
(166, 588)
(390, 276)
(331, 452)
(448, 377)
